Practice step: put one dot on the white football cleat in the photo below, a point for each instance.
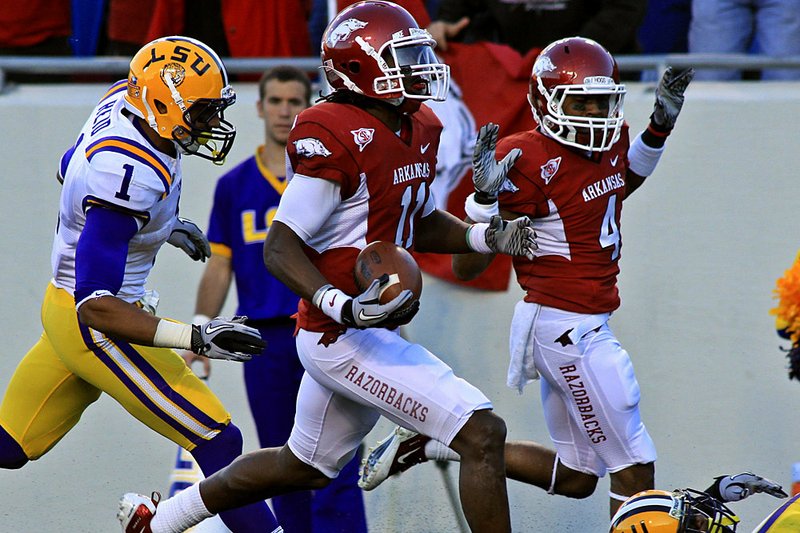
(136, 511)
(398, 452)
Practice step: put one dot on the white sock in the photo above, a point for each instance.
(179, 513)
(437, 451)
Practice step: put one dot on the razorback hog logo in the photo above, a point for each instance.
(343, 30)
(309, 147)
(542, 65)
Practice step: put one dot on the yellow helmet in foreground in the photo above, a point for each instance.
(680, 511)
(180, 87)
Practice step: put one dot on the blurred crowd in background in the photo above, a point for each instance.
(293, 28)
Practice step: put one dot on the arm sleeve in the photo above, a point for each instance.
(102, 251)
(303, 192)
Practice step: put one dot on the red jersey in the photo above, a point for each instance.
(575, 203)
(385, 182)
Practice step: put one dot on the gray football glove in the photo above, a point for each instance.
(229, 339)
(366, 311)
(189, 238)
(669, 97)
(740, 486)
(512, 237)
(489, 175)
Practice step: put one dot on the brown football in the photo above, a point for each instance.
(382, 257)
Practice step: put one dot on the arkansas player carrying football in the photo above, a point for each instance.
(364, 158)
(576, 169)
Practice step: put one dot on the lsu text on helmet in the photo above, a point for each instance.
(576, 66)
(180, 87)
(680, 511)
(376, 49)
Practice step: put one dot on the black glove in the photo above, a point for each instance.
(229, 339)
(189, 238)
(669, 98)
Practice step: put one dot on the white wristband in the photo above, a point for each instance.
(171, 334)
(642, 158)
(330, 301)
(480, 212)
(199, 319)
(476, 238)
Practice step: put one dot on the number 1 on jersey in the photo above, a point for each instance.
(609, 232)
(410, 207)
(122, 193)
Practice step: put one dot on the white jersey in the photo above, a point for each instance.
(113, 164)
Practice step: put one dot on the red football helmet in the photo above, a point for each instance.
(377, 49)
(576, 66)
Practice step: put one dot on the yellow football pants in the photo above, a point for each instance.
(72, 364)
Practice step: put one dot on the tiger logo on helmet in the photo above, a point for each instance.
(679, 511)
(181, 88)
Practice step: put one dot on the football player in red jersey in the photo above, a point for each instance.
(360, 165)
(576, 169)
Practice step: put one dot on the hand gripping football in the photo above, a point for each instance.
(382, 257)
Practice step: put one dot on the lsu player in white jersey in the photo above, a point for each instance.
(121, 184)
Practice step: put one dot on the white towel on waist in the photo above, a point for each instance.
(521, 368)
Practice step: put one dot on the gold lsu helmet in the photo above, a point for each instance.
(679, 511)
(180, 87)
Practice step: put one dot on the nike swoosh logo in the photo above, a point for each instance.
(614, 160)
(333, 300)
(401, 459)
(365, 317)
(213, 329)
(423, 149)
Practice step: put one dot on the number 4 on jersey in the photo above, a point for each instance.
(609, 232)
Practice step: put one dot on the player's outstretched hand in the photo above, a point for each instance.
(512, 237)
(490, 176)
(366, 311)
(669, 97)
(229, 339)
(740, 486)
(189, 238)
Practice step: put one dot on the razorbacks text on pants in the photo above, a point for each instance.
(584, 403)
(387, 393)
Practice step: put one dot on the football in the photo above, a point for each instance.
(382, 257)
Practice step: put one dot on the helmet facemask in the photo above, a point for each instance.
(595, 134)
(208, 135)
(411, 68)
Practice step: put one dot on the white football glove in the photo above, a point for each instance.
(365, 310)
(490, 176)
(189, 238)
(512, 237)
(229, 339)
(669, 97)
(740, 486)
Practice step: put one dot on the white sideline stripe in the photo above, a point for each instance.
(152, 393)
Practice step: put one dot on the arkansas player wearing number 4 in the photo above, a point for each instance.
(574, 172)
